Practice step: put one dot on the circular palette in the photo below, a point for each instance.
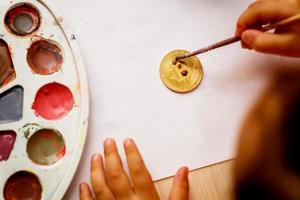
(43, 102)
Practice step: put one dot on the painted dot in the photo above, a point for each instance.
(23, 185)
(7, 141)
(184, 73)
(7, 72)
(23, 19)
(44, 57)
(53, 101)
(46, 147)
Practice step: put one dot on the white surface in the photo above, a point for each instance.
(123, 42)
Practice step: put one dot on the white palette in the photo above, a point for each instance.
(53, 178)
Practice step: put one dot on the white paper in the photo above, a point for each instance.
(123, 43)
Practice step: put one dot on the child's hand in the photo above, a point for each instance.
(112, 183)
(285, 41)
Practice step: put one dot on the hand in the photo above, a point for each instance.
(284, 41)
(268, 164)
(112, 183)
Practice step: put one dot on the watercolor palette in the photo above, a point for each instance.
(43, 102)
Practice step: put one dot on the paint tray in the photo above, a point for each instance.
(43, 102)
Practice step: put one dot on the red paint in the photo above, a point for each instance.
(7, 141)
(23, 186)
(62, 152)
(20, 9)
(47, 134)
(53, 101)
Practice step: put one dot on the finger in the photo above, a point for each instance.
(99, 184)
(119, 182)
(245, 46)
(180, 188)
(140, 176)
(85, 192)
(262, 12)
(281, 44)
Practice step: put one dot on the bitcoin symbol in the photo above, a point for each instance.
(183, 76)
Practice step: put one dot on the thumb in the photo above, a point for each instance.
(266, 42)
(180, 188)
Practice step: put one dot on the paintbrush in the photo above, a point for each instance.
(268, 27)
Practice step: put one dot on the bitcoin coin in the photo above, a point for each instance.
(181, 76)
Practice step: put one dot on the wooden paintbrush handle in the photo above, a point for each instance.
(285, 22)
(216, 45)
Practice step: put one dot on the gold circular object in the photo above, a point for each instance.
(182, 77)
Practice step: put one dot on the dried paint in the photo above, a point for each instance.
(7, 141)
(44, 57)
(53, 101)
(46, 147)
(11, 105)
(23, 186)
(30, 128)
(7, 72)
(23, 19)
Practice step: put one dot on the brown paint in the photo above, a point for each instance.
(7, 72)
(23, 19)
(44, 57)
(23, 186)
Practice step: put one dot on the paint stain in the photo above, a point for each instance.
(7, 141)
(7, 72)
(11, 105)
(23, 186)
(29, 128)
(53, 101)
(26, 134)
(44, 57)
(23, 19)
(46, 147)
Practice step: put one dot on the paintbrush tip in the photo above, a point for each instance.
(177, 58)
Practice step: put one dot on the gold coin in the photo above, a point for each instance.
(182, 77)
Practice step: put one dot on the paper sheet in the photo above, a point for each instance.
(123, 43)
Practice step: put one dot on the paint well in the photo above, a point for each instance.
(7, 141)
(23, 19)
(23, 22)
(7, 72)
(46, 147)
(53, 101)
(11, 105)
(22, 186)
(44, 57)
